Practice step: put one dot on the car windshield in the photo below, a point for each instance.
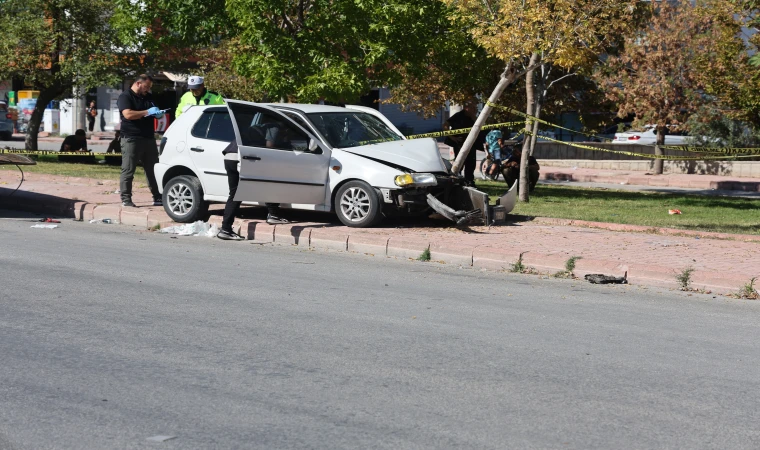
(351, 129)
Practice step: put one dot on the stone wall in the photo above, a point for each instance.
(560, 155)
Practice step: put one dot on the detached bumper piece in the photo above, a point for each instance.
(469, 206)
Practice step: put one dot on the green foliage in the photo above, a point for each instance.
(570, 263)
(57, 45)
(684, 278)
(336, 49)
(518, 266)
(748, 291)
(723, 132)
(425, 255)
(168, 29)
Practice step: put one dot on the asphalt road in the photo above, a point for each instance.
(110, 336)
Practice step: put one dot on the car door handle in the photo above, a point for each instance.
(196, 149)
(254, 158)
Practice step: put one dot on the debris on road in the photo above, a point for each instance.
(198, 228)
(598, 278)
(49, 220)
(160, 438)
(46, 226)
(101, 221)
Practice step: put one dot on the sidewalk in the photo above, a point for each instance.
(723, 263)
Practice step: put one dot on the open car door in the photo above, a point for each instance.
(280, 162)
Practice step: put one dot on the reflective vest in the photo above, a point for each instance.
(208, 98)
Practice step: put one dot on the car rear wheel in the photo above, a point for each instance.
(6, 136)
(183, 199)
(358, 205)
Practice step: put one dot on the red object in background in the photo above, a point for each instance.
(674, 211)
(162, 124)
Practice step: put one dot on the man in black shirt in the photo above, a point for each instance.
(76, 142)
(512, 172)
(463, 119)
(138, 141)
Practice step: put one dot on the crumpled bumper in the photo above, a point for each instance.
(468, 206)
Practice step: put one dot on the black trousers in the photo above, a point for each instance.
(231, 207)
(91, 121)
(512, 175)
(469, 163)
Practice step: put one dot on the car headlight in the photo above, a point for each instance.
(416, 179)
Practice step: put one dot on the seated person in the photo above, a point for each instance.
(494, 143)
(113, 147)
(76, 143)
(277, 136)
(512, 172)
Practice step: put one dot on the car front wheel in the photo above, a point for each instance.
(358, 205)
(183, 199)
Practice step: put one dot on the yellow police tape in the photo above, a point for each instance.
(644, 155)
(55, 153)
(532, 118)
(436, 134)
(682, 148)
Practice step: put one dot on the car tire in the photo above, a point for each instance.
(6, 136)
(358, 205)
(183, 199)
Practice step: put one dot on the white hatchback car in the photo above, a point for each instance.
(352, 161)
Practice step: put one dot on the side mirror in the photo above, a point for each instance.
(313, 145)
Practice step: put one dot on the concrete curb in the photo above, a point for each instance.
(492, 256)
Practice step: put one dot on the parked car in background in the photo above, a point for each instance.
(647, 136)
(6, 122)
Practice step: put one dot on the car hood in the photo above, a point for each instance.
(418, 155)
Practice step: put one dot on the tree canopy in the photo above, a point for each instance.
(59, 45)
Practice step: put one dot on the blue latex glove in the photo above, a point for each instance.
(160, 115)
(154, 111)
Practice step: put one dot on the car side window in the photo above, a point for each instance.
(200, 129)
(220, 128)
(261, 128)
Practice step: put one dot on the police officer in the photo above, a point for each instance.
(197, 95)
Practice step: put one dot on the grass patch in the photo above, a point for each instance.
(702, 213)
(569, 268)
(49, 164)
(684, 278)
(748, 291)
(425, 255)
(518, 266)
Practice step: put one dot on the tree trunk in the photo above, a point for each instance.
(541, 90)
(507, 78)
(33, 129)
(530, 98)
(658, 163)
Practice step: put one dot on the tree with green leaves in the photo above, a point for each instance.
(337, 50)
(60, 47)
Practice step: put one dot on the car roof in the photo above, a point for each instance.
(303, 107)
